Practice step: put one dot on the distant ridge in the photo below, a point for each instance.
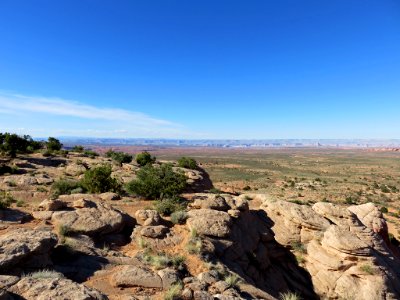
(239, 143)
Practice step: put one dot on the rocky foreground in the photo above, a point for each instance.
(102, 246)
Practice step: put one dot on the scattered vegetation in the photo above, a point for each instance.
(188, 163)
(144, 158)
(78, 149)
(11, 144)
(90, 153)
(157, 182)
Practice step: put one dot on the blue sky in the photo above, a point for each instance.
(201, 69)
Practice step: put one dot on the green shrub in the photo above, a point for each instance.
(174, 292)
(5, 200)
(78, 148)
(384, 209)
(99, 180)
(20, 203)
(368, 269)
(215, 191)
(144, 158)
(247, 188)
(90, 153)
(119, 157)
(53, 144)
(232, 280)
(179, 217)
(163, 260)
(157, 182)
(65, 187)
(168, 206)
(187, 162)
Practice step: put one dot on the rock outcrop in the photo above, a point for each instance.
(54, 288)
(98, 219)
(345, 252)
(26, 247)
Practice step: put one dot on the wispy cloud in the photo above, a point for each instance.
(119, 121)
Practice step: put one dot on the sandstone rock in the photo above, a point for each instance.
(98, 220)
(44, 179)
(371, 217)
(220, 286)
(19, 245)
(54, 288)
(168, 277)
(209, 201)
(51, 205)
(209, 277)
(202, 295)
(148, 217)
(131, 276)
(154, 232)
(209, 222)
(42, 215)
(187, 294)
(234, 213)
(239, 203)
(75, 169)
(294, 223)
(82, 203)
(109, 196)
(7, 280)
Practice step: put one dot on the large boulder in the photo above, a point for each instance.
(20, 245)
(134, 276)
(209, 222)
(209, 201)
(51, 205)
(54, 288)
(371, 217)
(147, 217)
(98, 219)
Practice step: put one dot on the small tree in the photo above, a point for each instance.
(99, 180)
(157, 182)
(144, 158)
(78, 148)
(187, 162)
(119, 157)
(53, 144)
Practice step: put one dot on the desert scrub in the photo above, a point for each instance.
(119, 157)
(20, 203)
(187, 163)
(64, 187)
(300, 259)
(195, 244)
(179, 217)
(45, 274)
(142, 243)
(232, 280)
(144, 158)
(174, 292)
(5, 200)
(368, 269)
(166, 207)
(99, 180)
(63, 232)
(298, 247)
(163, 260)
(157, 182)
(289, 296)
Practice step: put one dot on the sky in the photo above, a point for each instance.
(200, 69)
